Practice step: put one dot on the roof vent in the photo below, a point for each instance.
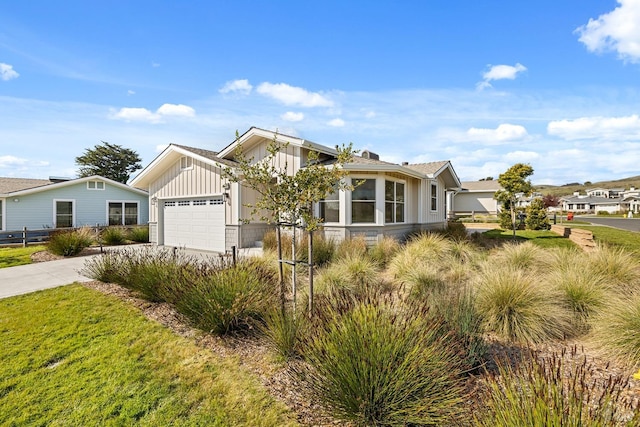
(405, 163)
(366, 154)
(59, 179)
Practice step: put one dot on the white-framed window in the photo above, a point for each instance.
(434, 197)
(394, 201)
(63, 213)
(330, 206)
(363, 202)
(186, 163)
(95, 185)
(122, 213)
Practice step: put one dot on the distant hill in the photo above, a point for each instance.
(569, 189)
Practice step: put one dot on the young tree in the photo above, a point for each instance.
(537, 218)
(550, 201)
(514, 184)
(287, 200)
(109, 160)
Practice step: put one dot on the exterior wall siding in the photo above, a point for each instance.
(37, 210)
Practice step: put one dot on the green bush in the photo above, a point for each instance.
(616, 330)
(536, 216)
(378, 365)
(139, 234)
(283, 331)
(226, 300)
(553, 391)
(70, 242)
(518, 307)
(113, 236)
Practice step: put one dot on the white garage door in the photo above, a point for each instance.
(195, 223)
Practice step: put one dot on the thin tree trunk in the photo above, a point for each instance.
(294, 262)
(310, 254)
(280, 269)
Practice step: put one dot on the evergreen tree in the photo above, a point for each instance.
(537, 218)
(110, 161)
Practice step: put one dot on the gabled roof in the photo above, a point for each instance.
(9, 185)
(480, 186)
(592, 200)
(31, 186)
(170, 155)
(256, 135)
(434, 169)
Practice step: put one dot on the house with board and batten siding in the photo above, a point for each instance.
(193, 205)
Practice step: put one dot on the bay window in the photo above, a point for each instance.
(363, 202)
(393, 201)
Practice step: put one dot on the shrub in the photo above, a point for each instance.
(620, 268)
(616, 330)
(517, 307)
(283, 331)
(536, 216)
(226, 300)
(376, 365)
(113, 236)
(384, 250)
(355, 246)
(456, 230)
(139, 234)
(108, 267)
(70, 242)
(547, 392)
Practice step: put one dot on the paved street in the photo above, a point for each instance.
(630, 224)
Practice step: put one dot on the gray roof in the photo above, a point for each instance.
(428, 168)
(10, 185)
(489, 185)
(592, 200)
(208, 154)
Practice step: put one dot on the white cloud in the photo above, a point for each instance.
(179, 110)
(6, 161)
(291, 95)
(338, 123)
(503, 133)
(237, 86)
(155, 64)
(500, 72)
(144, 115)
(616, 31)
(521, 156)
(130, 92)
(7, 72)
(291, 116)
(626, 128)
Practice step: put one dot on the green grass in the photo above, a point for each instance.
(542, 238)
(10, 257)
(72, 356)
(628, 240)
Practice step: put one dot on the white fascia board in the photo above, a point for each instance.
(74, 182)
(383, 168)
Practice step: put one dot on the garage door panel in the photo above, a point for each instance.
(195, 223)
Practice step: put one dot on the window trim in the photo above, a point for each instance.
(55, 212)
(188, 163)
(434, 197)
(395, 202)
(374, 201)
(95, 185)
(336, 191)
(123, 214)
(3, 203)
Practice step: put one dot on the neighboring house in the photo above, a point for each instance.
(598, 192)
(59, 202)
(476, 197)
(193, 205)
(588, 204)
(525, 201)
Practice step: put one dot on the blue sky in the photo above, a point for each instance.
(485, 84)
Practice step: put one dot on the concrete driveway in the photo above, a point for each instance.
(42, 275)
(51, 274)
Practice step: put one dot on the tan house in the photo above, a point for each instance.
(192, 204)
(476, 197)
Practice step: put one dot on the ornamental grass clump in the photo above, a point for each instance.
(620, 268)
(522, 256)
(283, 330)
(560, 390)
(518, 307)
(355, 246)
(138, 234)
(70, 242)
(229, 299)
(617, 330)
(377, 364)
(384, 250)
(355, 273)
(113, 236)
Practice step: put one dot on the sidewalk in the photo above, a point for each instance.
(51, 274)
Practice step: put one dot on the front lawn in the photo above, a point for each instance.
(627, 240)
(542, 238)
(10, 257)
(73, 356)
